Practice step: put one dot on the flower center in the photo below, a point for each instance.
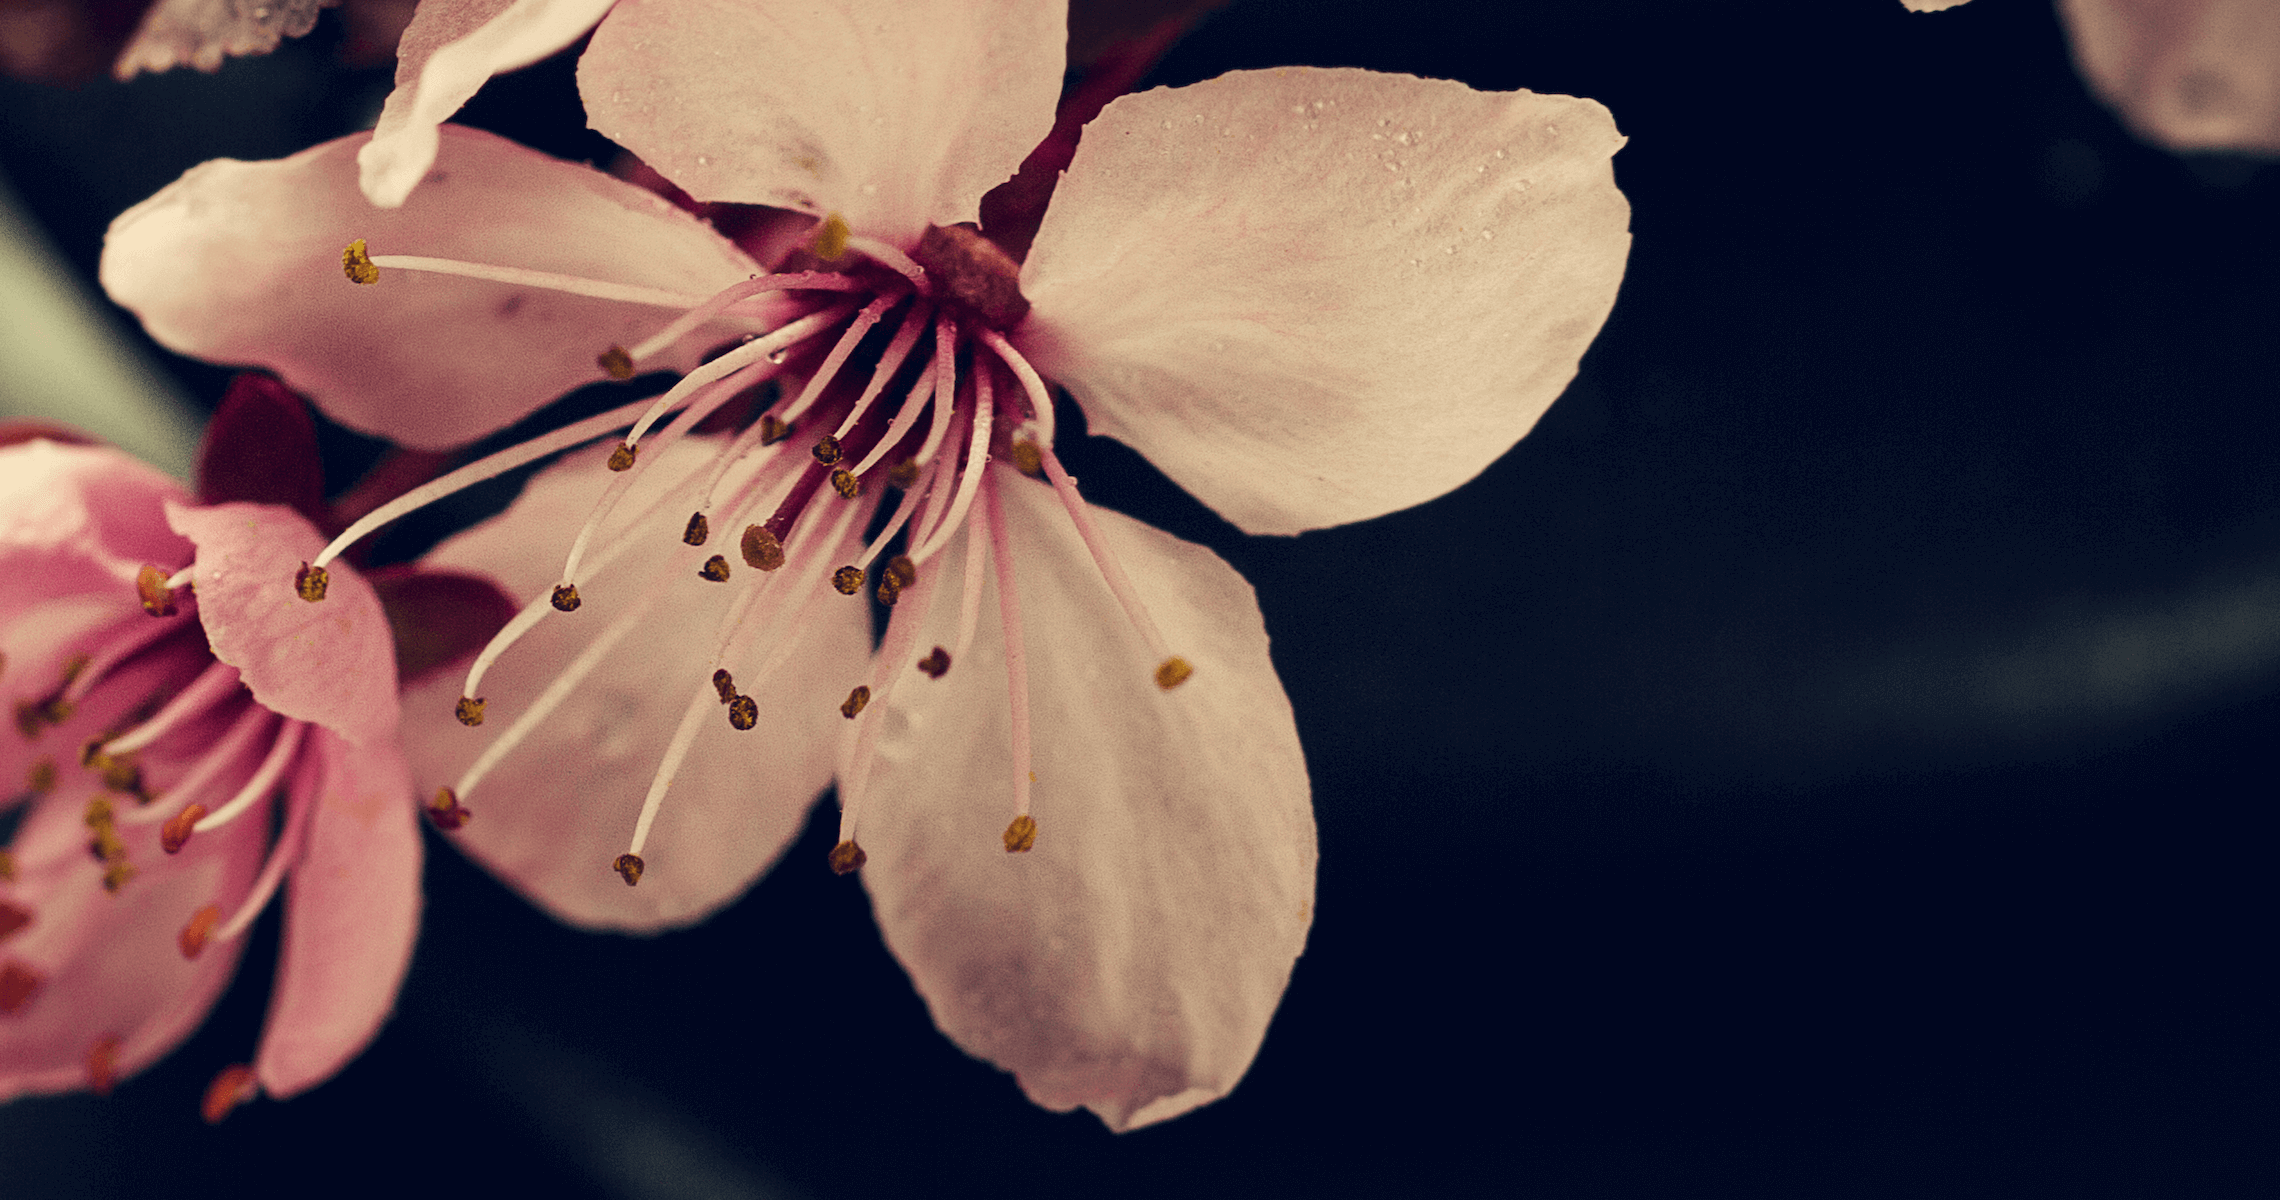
(878, 398)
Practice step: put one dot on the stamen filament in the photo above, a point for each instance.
(892, 259)
(282, 856)
(921, 394)
(765, 346)
(138, 633)
(977, 459)
(947, 406)
(970, 604)
(903, 511)
(888, 668)
(1016, 653)
(829, 370)
(211, 685)
(622, 481)
(914, 324)
(226, 751)
(263, 781)
(182, 578)
(1111, 570)
(487, 467)
(524, 277)
(1040, 400)
(690, 321)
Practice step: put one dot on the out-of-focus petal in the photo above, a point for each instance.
(201, 33)
(329, 662)
(447, 52)
(1930, 5)
(109, 965)
(2190, 74)
(74, 519)
(351, 912)
(1130, 962)
(559, 810)
(1313, 296)
(892, 113)
(241, 263)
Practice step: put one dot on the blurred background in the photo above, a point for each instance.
(1831, 756)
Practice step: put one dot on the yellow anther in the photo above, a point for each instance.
(762, 552)
(565, 597)
(628, 866)
(855, 701)
(846, 484)
(470, 710)
(41, 778)
(902, 570)
(715, 569)
(699, 530)
(725, 684)
(7, 867)
(615, 363)
(829, 242)
(903, 474)
(773, 431)
(847, 858)
(1021, 835)
(621, 459)
(309, 583)
(157, 598)
(357, 265)
(1173, 672)
(826, 450)
(849, 580)
(1028, 460)
(743, 713)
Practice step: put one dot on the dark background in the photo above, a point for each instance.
(1832, 756)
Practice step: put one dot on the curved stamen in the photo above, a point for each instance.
(920, 395)
(487, 467)
(182, 578)
(977, 458)
(888, 667)
(892, 259)
(948, 394)
(622, 481)
(903, 510)
(282, 856)
(891, 361)
(124, 640)
(1040, 400)
(829, 370)
(970, 603)
(768, 346)
(263, 782)
(630, 293)
(224, 754)
(215, 682)
(688, 322)
(1110, 569)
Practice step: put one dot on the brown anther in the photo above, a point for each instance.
(41, 777)
(103, 1064)
(18, 983)
(1173, 672)
(469, 710)
(715, 569)
(699, 530)
(566, 597)
(743, 713)
(1021, 835)
(7, 867)
(855, 701)
(889, 590)
(902, 570)
(201, 926)
(157, 598)
(446, 810)
(936, 664)
(1028, 460)
(615, 363)
(12, 918)
(903, 474)
(827, 450)
(231, 1087)
(175, 834)
(849, 580)
(621, 459)
(847, 858)
(846, 483)
(116, 873)
(725, 684)
(830, 240)
(628, 866)
(761, 549)
(772, 430)
(356, 263)
(309, 583)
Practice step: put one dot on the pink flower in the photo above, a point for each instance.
(1311, 297)
(171, 706)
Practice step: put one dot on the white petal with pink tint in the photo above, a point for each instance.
(556, 813)
(332, 662)
(446, 54)
(240, 263)
(351, 912)
(1313, 297)
(892, 113)
(2190, 74)
(1130, 962)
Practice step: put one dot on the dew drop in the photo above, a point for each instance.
(777, 356)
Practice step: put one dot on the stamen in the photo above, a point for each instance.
(725, 684)
(282, 856)
(255, 720)
(629, 866)
(157, 597)
(890, 362)
(855, 702)
(615, 363)
(232, 1087)
(489, 467)
(830, 240)
(699, 530)
(829, 369)
(215, 682)
(913, 403)
(447, 812)
(574, 285)
(356, 263)
(892, 259)
(264, 779)
(849, 580)
(936, 664)
(193, 937)
(765, 348)
(564, 598)
(175, 834)
(845, 483)
(1033, 385)
(970, 603)
(847, 858)
(469, 710)
(103, 1064)
(122, 641)
(761, 549)
(1016, 653)
(309, 582)
(1168, 676)
(977, 457)
(622, 458)
(690, 321)
(743, 713)
(1021, 834)
(826, 449)
(903, 510)
(182, 578)
(886, 672)
(945, 393)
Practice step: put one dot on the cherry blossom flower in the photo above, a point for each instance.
(1310, 296)
(188, 740)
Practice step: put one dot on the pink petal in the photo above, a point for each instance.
(1929, 5)
(90, 515)
(351, 912)
(240, 263)
(2190, 74)
(450, 49)
(1313, 297)
(329, 662)
(112, 966)
(559, 810)
(201, 33)
(892, 113)
(1130, 962)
